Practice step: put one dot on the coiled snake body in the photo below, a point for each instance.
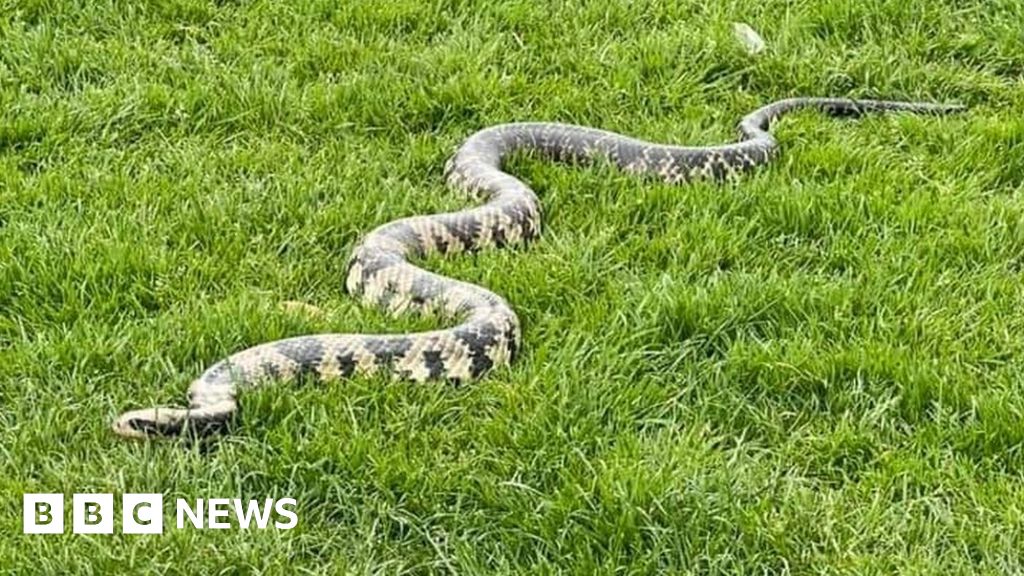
(489, 333)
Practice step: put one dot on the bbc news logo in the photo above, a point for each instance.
(144, 514)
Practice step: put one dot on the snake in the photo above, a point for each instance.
(486, 334)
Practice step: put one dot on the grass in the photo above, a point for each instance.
(816, 369)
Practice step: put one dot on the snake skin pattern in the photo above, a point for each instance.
(489, 333)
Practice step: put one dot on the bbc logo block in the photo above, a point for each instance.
(93, 514)
(142, 514)
(43, 513)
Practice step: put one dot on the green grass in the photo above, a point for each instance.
(816, 369)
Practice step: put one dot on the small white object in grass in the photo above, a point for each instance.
(748, 37)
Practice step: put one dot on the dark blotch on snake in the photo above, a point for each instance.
(434, 363)
(385, 352)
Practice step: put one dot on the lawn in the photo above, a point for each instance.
(815, 369)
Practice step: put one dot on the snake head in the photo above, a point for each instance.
(176, 422)
(151, 422)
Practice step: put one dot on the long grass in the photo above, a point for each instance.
(816, 369)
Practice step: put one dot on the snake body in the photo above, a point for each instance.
(488, 333)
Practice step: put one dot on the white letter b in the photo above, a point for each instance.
(92, 514)
(43, 513)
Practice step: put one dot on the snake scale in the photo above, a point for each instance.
(488, 334)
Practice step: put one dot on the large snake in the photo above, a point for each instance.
(488, 334)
